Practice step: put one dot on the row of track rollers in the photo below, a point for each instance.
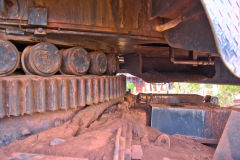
(45, 59)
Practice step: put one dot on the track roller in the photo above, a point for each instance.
(98, 63)
(9, 58)
(76, 61)
(112, 64)
(42, 59)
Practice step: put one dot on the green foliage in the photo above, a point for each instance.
(209, 89)
(176, 87)
(227, 94)
(130, 86)
(209, 86)
(193, 87)
(186, 88)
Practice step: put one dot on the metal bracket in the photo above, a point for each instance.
(37, 16)
(2, 8)
(14, 31)
(194, 62)
(40, 31)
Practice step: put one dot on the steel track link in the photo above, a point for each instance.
(26, 94)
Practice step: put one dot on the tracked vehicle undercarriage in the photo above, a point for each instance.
(64, 54)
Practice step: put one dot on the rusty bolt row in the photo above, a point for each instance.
(45, 59)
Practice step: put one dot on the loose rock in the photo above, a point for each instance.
(137, 152)
(138, 131)
(163, 141)
(56, 141)
(25, 132)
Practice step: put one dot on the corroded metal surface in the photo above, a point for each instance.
(37, 16)
(21, 95)
(16, 128)
(191, 35)
(170, 98)
(203, 124)
(112, 64)
(229, 144)
(75, 61)
(117, 27)
(95, 15)
(2, 8)
(224, 18)
(192, 30)
(9, 58)
(109, 26)
(29, 156)
(171, 9)
(99, 63)
(42, 59)
(155, 67)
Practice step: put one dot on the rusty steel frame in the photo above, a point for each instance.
(110, 25)
(208, 62)
(169, 98)
(115, 27)
(204, 124)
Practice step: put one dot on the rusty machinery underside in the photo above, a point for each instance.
(157, 40)
(65, 55)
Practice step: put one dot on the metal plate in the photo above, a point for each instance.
(205, 125)
(229, 144)
(224, 17)
(37, 16)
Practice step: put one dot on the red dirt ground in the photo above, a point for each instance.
(97, 141)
